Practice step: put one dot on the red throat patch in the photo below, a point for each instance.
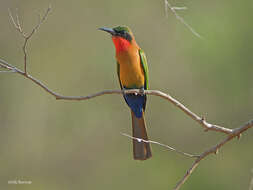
(120, 43)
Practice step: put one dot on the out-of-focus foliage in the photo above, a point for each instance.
(77, 145)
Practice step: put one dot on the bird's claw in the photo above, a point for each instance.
(142, 91)
(123, 89)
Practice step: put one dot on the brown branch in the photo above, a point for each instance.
(207, 126)
(26, 37)
(236, 132)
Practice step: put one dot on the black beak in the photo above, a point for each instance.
(109, 30)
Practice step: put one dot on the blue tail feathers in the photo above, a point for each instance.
(136, 103)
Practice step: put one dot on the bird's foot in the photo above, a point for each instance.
(123, 89)
(142, 92)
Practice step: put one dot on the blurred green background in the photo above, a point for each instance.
(77, 145)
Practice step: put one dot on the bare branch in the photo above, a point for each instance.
(27, 36)
(236, 132)
(9, 71)
(4, 64)
(179, 8)
(200, 120)
(16, 23)
(40, 22)
(174, 11)
(163, 145)
(166, 8)
(207, 126)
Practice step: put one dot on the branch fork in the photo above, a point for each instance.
(26, 37)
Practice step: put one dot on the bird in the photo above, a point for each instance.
(132, 70)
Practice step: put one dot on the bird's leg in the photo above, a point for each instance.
(124, 93)
(142, 91)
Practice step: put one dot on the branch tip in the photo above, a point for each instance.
(174, 11)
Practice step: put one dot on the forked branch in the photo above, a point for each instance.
(17, 25)
(235, 133)
(213, 150)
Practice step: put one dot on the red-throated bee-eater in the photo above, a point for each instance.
(132, 72)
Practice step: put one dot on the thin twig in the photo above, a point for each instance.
(179, 8)
(236, 132)
(163, 145)
(40, 22)
(174, 11)
(18, 23)
(26, 37)
(9, 71)
(4, 64)
(166, 8)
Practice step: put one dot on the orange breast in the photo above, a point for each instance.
(131, 72)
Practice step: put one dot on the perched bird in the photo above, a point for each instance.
(132, 72)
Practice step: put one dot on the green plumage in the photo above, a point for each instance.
(144, 67)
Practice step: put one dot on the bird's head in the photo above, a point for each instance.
(122, 37)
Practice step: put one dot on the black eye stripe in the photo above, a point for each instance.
(123, 34)
(128, 37)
